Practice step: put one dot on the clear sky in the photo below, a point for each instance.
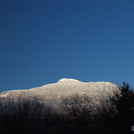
(42, 41)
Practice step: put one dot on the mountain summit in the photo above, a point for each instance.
(65, 87)
(68, 80)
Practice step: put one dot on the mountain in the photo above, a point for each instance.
(65, 87)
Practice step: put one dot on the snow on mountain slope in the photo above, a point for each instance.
(64, 87)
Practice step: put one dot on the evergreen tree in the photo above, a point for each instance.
(124, 103)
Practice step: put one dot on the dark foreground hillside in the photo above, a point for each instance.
(76, 116)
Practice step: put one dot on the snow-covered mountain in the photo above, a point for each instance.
(65, 87)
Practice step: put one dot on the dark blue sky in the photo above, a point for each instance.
(42, 41)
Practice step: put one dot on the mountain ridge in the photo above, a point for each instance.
(65, 87)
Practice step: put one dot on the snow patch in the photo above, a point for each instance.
(65, 80)
(4, 94)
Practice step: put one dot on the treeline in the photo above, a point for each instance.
(77, 115)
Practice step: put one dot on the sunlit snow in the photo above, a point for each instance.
(65, 87)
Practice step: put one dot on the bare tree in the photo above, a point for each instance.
(79, 107)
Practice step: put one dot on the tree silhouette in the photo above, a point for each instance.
(117, 113)
(124, 103)
(78, 106)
